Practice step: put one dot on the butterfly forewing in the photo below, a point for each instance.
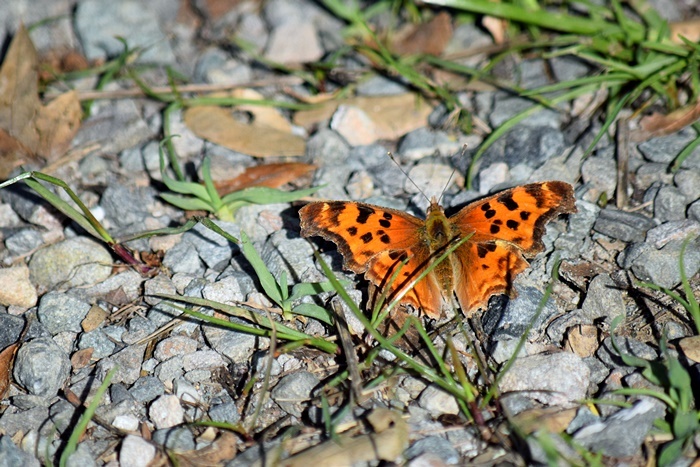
(360, 230)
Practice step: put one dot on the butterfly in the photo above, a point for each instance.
(499, 232)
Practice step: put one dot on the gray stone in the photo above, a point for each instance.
(23, 242)
(41, 367)
(170, 370)
(622, 434)
(138, 328)
(652, 173)
(128, 364)
(226, 412)
(113, 128)
(600, 173)
(71, 263)
(138, 199)
(146, 389)
(166, 411)
(599, 371)
(437, 401)
(669, 204)
(174, 345)
(100, 22)
(688, 182)
(178, 438)
(226, 290)
(379, 85)
(182, 258)
(694, 211)
(216, 66)
(665, 149)
(555, 379)
(81, 457)
(425, 142)
(10, 329)
(294, 390)
(621, 225)
(662, 267)
(11, 455)
(665, 233)
(529, 145)
(136, 451)
(604, 299)
(607, 354)
(61, 312)
(435, 445)
(282, 254)
(294, 42)
(101, 344)
(214, 250)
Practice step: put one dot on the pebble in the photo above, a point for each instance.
(202, 359)
(147, 388)
(179, 438)
(61, 312)
(437, 446)
(662, 267)
(71, 263)
(354, 125)
(424, 142)
(126, 423)
(621, 434)
(621, 225)
(664, 149)
(600, 173)
(604, 299)
(609, 356)
(11, 455)
(22, 294)
(437, 401)
(41, 367)
(97, 340)
(136, 451)
(294, 41)
(98, 23)
(174, 345)
(128, 364)
(669, 204)
(23, 242)
(10, 329)
(166, 412)
(294, 390)
(554, 379)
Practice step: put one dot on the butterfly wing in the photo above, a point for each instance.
(504, 228)
(376, 241)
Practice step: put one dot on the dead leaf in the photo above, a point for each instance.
(264, 116)
(31, 131)
(496, 27)
(582, 340)
(94, 318)
(426, 38)
(690, 346)
(7, 358)
(268, 175)
(217, 453)
(81, 358)
(217, 125)
(690, 29)
(389, 440)
(394, 116)
(551, 419)
(658, 124)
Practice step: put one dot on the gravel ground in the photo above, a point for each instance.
(77, 313)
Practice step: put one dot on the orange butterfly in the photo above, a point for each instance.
(502, 230)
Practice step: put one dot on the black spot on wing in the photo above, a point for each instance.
(387, 215)
(494, 229)
(398, 255)
(512, 225)
(385, 223)
(508, 201)
(535, 190)
(366, 237)
(490, 213)
(525, 215)
(352, 231)
(364, 213)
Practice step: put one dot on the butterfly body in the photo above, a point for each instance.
(500, 231)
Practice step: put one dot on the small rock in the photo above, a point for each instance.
(41, 367)
(600, 173)
(662, 267)
(226, 412)
(166, 412)
(603, 299)
(437, 401)
(22, 293)
(182, 258)
(139, 199)
(97, 340)
(492, 176)
(430, 179)
(694, 211)
(423, 142)
(435, 445)
(10, 329)
(174, 345)
(629, 346)
(147, 388)
(688, 183)
(354, 125)
(81, 457)
(23, 242)
(214, 250)
(294, 42)
(226, 290)
(61, 312)
(294, 390)
(202, 359)
(100, 22)
(669, 204)
(625, 226)
(664, 149)
(622, 434)
(11, 455)
(554, 379)
(126, 422)
(675, 230)
(136, 452)
(128, 363)
(71, 263)
(178, 438)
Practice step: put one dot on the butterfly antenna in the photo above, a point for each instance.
(444, 189)
(408, 177)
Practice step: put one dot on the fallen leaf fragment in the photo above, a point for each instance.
(393, 116)
(582, 340)
(28, 130)
(7, 358)
(267, 175)
(658, 124)
(389, 440)
(550, 419)
(81, 358)
(94, 318)
(689, 29)
(217, 125)
(217, 453)
(425, 38)
(690, 346)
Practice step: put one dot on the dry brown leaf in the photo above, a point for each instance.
(217, 453)
(496, 27)
(264, 116)
(582, 340)
(394, 116)
(81, 358)
(268, 175)
(551, 419)
(426, 38)
(690, 29)
(690, 346)
(217, 125)
(7, 358)
(658, 124)
(94, 318)
(387, 443)
(37, 131)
